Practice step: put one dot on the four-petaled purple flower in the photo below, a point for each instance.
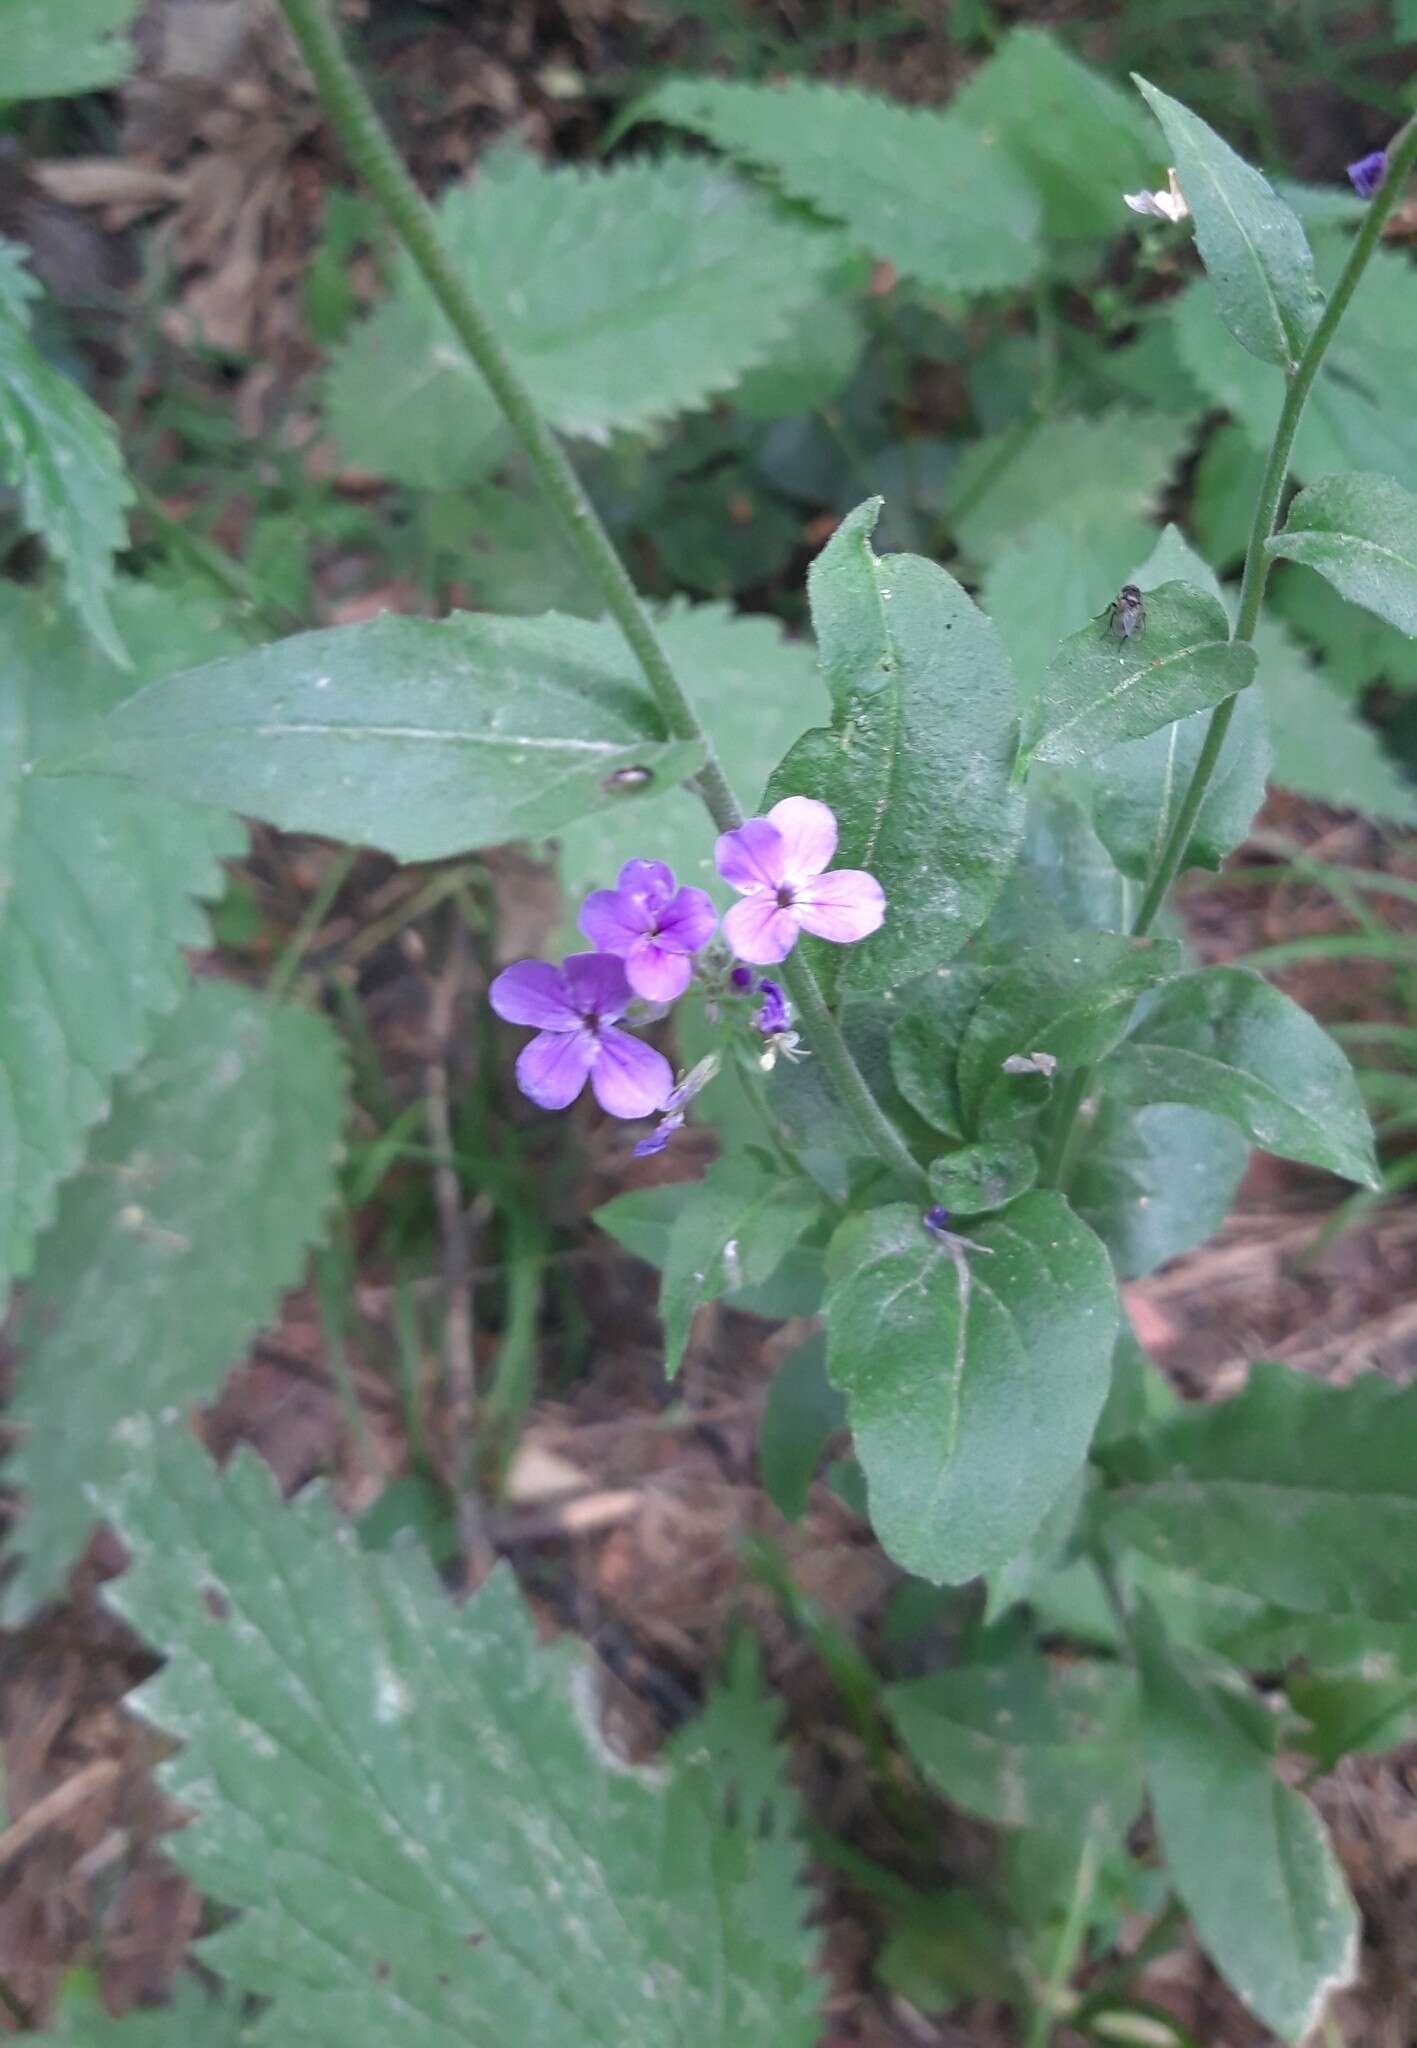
(1368, 173)
(652, 926)
(777, 865)
(573, 1009)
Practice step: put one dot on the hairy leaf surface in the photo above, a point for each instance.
(1361, 533)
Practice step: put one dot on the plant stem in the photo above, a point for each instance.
(1073, 1932)
(352, 114)
(1271, 494)
(1401, 157)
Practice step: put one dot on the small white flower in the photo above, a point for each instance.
(1168, 205)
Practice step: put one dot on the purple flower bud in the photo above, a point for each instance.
(1368, 173)
(742, 979)
(659, 1137)
(937, 1220)
(776, 1012)
(652, 925)
(777, 864)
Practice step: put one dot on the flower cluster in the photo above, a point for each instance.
(648, 934)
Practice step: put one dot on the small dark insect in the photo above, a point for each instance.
(1126, 614)
(628, 778)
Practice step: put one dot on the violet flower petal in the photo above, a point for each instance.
(759, 931)
(552, 1067)
(648, 878)
(534, 992)
(597, 985)
(615, 919)
(657, 972)
(688, 921)
(753, 857)
(844, 906)
(1368, 173)
(659, 1137)
(629, 1078)
(808, 831)
(776, 1012)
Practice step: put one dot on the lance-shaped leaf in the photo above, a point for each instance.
(1254, 250)
(943, 202)
(59, 451)
(1248, 1855)
(170, 1250)
(1027, 1743)
(413, 1810)
(1294, 1492)
(1101, 688)
(1155, 1181)
(623, 296)
(916, 761)
(98, 891)
(49, 51)
(802, 1413)
(425, 737)
(1361, 533)
(733, 1231)
(973, 1381)
(1223, 1039)
(925, 1039)
(1138, 787)
(1069, 1000)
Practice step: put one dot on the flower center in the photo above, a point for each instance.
(784, 898)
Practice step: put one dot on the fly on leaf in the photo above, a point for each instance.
(1126, 615)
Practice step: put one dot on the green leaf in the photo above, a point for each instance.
(802, 1413)
(1101, 688)
(1064, 879)
(1070, 999)
(973, 1385)
(755, 690)
(413, 1808)
(734, 1230)
(925, 1040)
(1353, 1714)
(425, 737)
(1140, 1394)
(1227, 483)
(59, 451)
(1223, 1039)
(98, 891)
(1294, 1492)
(978, 1178)
(1038, 587)
(1362, 411)
(926, 191)
(1026, 1742)
(1080, 139)
(1155, 1182)
(1355, 649)
(1077, 476)
(49, 50)
(1248, 1856)
(1322, 747)
(623, 296)
(1137, 788)
(1041, 1557)
(916, 761)
(1254, 250)
(192, 2017)
(1361, 533)
(170, 1251)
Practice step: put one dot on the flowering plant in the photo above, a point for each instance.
(959, 1071)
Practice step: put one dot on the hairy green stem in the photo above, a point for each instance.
(352, 114)
(1299, 382)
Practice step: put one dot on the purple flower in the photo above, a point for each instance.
(1368, 173)
(776, 1012)
(652, 926)
(937, 1220)
(696, 1079)
(776, 863)
(659, 1137)
(573, 1009)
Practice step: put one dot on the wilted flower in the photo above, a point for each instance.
(573, 1009)
(1168, 205)
(776, 863)
(673, 1119)
(652, 926)
(1368, 173)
